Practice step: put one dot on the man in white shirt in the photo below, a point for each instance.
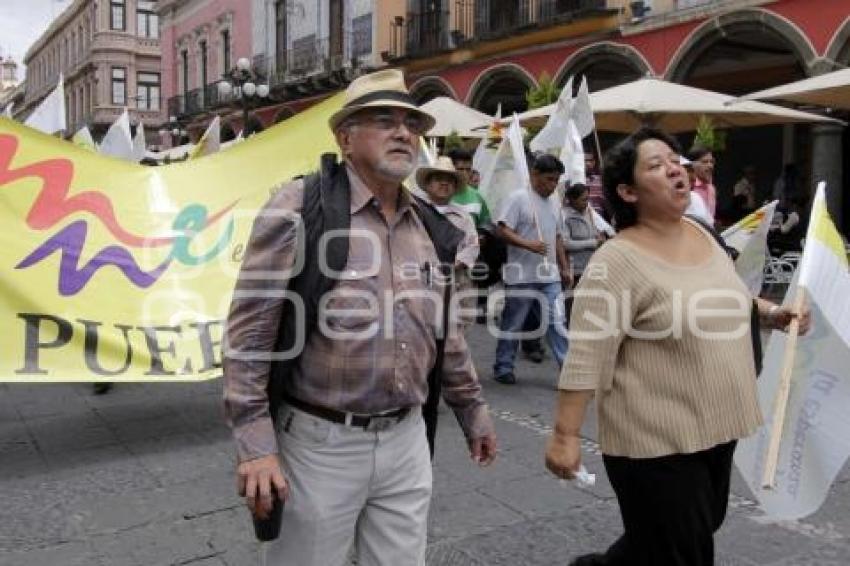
(537, 268)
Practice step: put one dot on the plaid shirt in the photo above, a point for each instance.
(376, 339)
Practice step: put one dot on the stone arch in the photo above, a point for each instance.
(706, 35)
(506, 84)
(838, 52)
(622, 61)
(429, 88)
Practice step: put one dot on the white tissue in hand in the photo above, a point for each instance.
(585, 479)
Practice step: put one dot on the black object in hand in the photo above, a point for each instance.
(268, 529)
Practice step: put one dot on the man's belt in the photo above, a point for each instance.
(378, 421)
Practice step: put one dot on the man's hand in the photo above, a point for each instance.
(483, 449)
(255, 480)
(537, 246)
(567, 278)
(563, 455)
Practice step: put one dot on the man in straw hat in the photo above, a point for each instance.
(346, 448)
(437, 184)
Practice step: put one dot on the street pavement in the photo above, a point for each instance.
(143, 476)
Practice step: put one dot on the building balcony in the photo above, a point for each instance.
(428, 33)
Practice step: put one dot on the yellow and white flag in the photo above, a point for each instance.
(749, 237)
(815, 442)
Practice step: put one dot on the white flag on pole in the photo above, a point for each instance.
(139, 143)
(49, 117)
(508, 172)
(582, 112)
(554, 133)
(815, 441)
(118, 142)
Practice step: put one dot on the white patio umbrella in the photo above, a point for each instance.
(831, 90)
(676, 108)
(452, 116)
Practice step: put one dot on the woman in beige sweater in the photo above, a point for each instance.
(660, 334)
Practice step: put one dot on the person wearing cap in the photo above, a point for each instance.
(349, 485)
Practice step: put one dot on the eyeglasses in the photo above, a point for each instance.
(416, 124)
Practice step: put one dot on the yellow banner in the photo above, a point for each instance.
(112, 271)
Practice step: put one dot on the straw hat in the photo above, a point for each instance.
(380, 89)
(443, 165)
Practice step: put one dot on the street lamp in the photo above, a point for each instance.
(241, 81)
(173, 128)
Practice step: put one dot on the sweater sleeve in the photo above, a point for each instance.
(596, 331)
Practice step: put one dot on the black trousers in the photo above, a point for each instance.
(671, 507)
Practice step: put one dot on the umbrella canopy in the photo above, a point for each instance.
(676, 108)
(831, 90)
(452, 116)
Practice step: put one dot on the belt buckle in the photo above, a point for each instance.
(379, 424)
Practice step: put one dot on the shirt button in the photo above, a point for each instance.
(403, 346)
(353, 273)
(400, 385)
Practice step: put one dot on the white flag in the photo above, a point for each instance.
(815, 442)
(572, 156)
(749, 237)
(582, 112)
(508, 172)
(83, 139)
(117, 142)
(210, 142)
(554, 133)
(139, 143)
(49, 117)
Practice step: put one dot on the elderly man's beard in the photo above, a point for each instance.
(396, 169)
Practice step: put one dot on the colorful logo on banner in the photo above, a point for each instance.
(53, 205)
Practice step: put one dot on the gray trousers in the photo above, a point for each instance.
(351, 487)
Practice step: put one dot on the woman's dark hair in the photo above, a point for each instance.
(575, 191)
(545, 164)
(620, 170)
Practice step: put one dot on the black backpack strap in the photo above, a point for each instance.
(446, 237)
(325, 206)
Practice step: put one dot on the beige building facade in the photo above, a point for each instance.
(109, 55)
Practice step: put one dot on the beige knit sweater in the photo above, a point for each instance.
(666, 348)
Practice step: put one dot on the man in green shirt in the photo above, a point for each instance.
(466, 196)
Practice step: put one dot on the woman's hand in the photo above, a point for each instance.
(780, 318)
(563, 455)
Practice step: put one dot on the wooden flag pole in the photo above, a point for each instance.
(780, 402)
